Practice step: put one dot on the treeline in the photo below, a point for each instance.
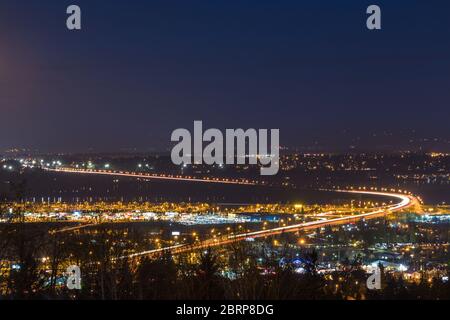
(33, 264)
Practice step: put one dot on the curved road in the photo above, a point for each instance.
(405, 202)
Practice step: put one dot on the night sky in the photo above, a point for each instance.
(140, 69)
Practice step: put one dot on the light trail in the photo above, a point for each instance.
(406, 201)
(155, 176)
(143, 176)
(68, 229)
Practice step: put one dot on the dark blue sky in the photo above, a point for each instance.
(140, 69)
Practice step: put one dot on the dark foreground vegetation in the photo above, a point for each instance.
(33, 265)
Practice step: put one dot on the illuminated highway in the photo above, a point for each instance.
(155, 176)
(405, 202)
(68, 229)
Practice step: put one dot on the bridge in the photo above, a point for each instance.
(154, 176)
(403, 201)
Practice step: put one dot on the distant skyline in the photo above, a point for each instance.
(371, 143)
(140, 69)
